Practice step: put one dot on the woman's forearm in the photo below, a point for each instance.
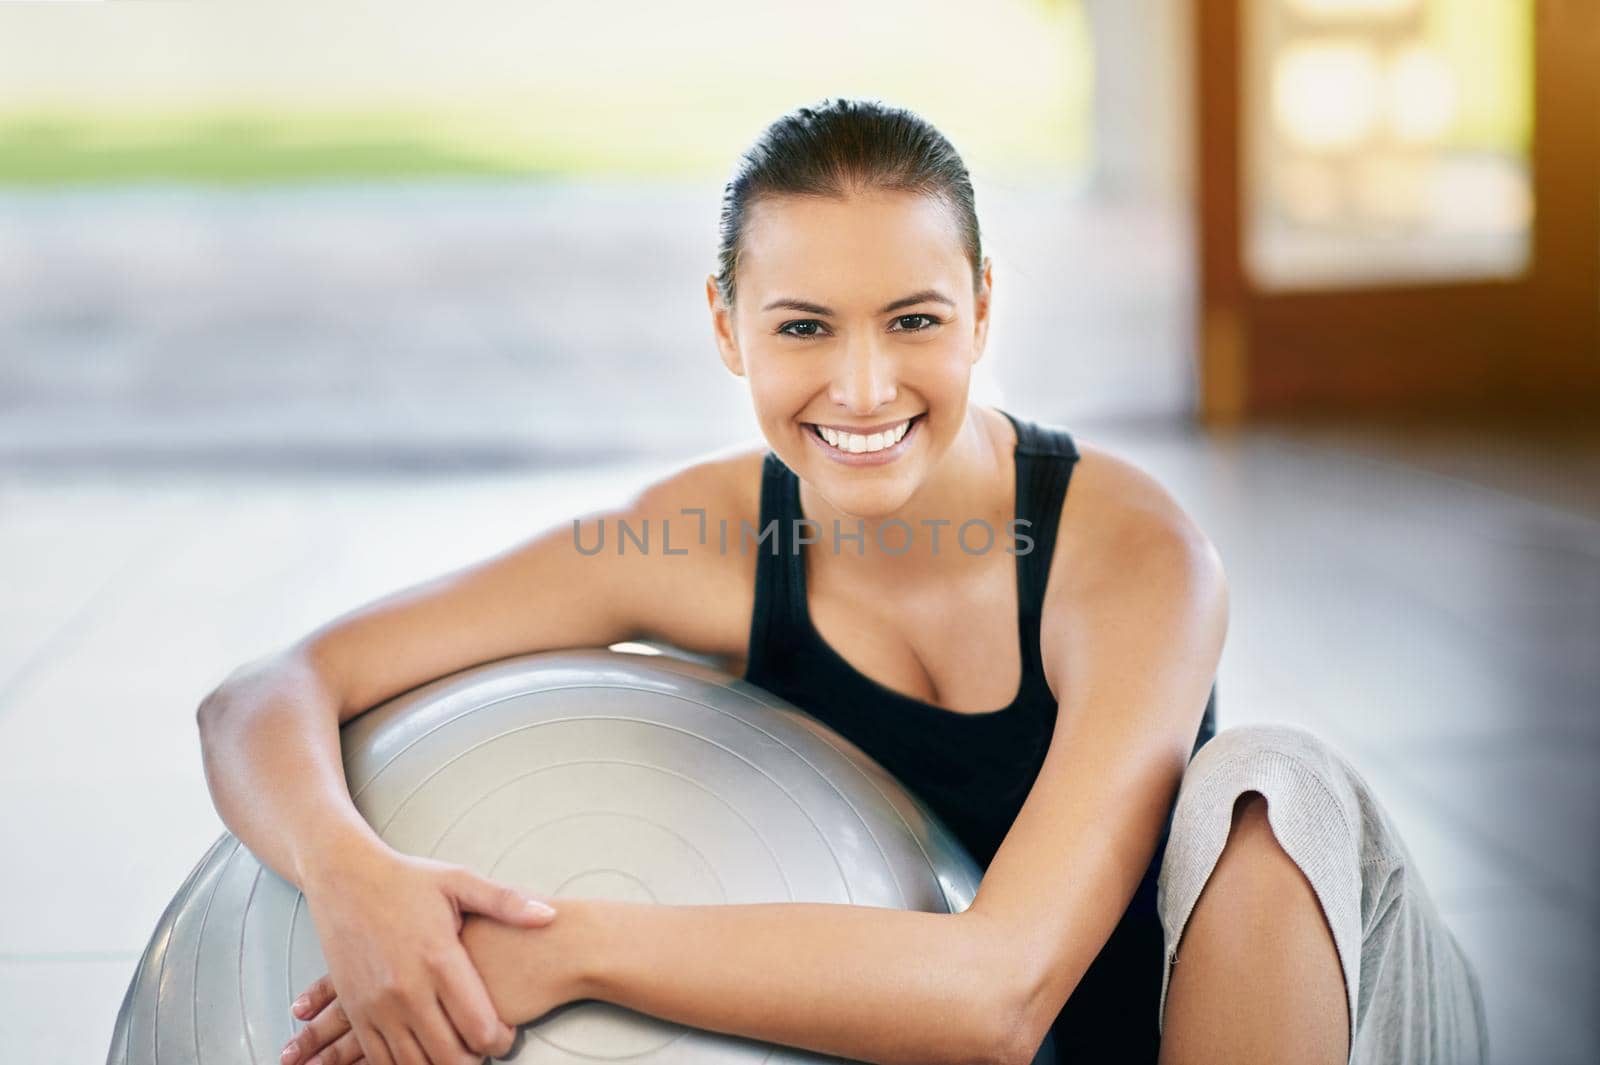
(874, 984)
(269, 738)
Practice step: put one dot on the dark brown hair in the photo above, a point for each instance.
(839, 146)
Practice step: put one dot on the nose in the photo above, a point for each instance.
(865, 378)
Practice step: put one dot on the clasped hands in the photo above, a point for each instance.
(428, 964)
(500, 953)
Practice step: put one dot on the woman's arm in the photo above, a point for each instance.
(861, 982)
(1131, 634)
(866, 983)
(269, 733)
(269, 740)
(389, 923)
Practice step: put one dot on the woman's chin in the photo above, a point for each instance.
(854, 499)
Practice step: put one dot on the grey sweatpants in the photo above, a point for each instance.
(1412, 994)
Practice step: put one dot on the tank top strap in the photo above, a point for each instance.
(1046, 456)
(1034, 438)
(777, 566)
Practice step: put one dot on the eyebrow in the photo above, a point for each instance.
(927, 295)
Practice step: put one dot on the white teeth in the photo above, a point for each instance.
(855, 443)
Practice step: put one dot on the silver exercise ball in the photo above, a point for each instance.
(592, 773)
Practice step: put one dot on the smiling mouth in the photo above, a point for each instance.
(858, 444)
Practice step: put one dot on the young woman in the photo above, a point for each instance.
(1044, 692)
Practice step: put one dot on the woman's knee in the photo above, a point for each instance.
(1270, 792)
(1309, 776)
(1283, 761)
(1246, 741)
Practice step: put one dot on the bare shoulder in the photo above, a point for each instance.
(697, 588)
(1128, 559)
(1117, 513)
(725, 484)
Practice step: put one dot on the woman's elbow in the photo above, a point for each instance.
(1004, 1027)
(1013, 1038)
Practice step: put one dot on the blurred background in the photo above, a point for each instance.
(301, 303)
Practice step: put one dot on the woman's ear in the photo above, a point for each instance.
(722, 328)
(980, 314)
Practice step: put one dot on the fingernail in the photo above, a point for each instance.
(301, 1003)
(539, 909)
(289, 1054)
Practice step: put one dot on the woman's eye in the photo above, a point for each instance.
(807, 328)
(810, 323)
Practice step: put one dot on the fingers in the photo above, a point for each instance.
(439, 1039)
(357, 1045)
(408, 1052)
(477, 894)
(326, 1028)
(313, 999)
(467, 1003)
(373, 1046)
(346, 1050)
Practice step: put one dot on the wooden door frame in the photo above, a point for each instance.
(1524, 346)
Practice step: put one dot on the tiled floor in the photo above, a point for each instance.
(1436, 625)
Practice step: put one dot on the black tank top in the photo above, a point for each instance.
(972, 769)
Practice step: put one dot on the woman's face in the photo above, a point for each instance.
(855, 314)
